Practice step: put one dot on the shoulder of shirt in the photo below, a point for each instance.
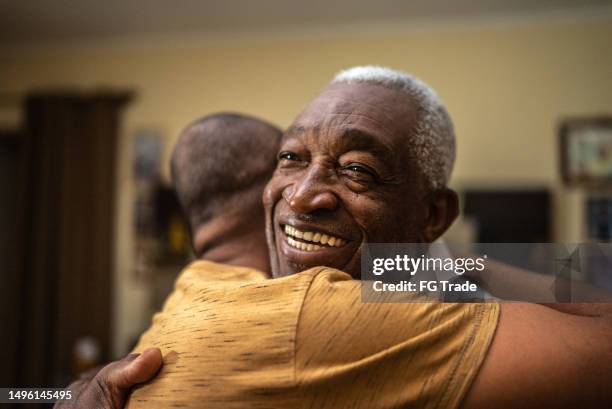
(327, 281)
(209, 274)
(204, 270)
(321, 275)
(211, 271)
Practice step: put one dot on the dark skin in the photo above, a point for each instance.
(346, 169)
(109, 387)
(237, 238)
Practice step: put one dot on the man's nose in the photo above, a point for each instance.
(312, 192)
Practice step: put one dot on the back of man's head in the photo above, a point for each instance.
(220, 165)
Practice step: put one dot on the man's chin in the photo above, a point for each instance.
(294, 265)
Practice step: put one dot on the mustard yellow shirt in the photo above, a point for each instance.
(233, 339)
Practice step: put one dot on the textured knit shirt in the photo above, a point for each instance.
(233, 339)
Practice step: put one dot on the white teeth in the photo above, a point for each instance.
(302, 246)
(312, 237)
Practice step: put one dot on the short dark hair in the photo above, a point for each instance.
(217, 162)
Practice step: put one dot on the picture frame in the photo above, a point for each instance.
(586, 151)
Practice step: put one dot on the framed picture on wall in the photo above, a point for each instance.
(586, 151)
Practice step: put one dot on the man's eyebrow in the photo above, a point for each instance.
(350, 139)
(357, 139)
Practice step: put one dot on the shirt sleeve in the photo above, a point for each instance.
(387, 355)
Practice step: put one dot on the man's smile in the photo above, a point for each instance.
(306, 244)
(311, 240)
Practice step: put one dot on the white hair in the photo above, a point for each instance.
(434, 137)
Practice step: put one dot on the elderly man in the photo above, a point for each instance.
(366, 161)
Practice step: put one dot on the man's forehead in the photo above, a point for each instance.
(372, 104)
(358, 108)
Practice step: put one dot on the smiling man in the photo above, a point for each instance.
(366, 161)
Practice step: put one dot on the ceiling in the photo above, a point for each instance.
(51, 20)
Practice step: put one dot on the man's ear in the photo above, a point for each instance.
(443, 210)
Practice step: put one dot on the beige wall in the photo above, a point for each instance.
(506, 86)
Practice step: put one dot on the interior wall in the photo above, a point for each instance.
(506, 87)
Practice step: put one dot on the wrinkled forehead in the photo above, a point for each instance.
(384, 113)
(366, 118)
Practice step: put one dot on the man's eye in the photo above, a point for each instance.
(288, 156)
(360, 172)
(357, 168)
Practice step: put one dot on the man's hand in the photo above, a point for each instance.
(109, 387)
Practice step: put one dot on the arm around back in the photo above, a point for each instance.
(542, 356)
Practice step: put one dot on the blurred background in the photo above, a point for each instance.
(94, 94)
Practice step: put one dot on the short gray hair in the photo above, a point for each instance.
(434, 138)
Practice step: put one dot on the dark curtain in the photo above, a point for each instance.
(65, 235)
(11, 164)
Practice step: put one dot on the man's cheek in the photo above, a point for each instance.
(379, 224)
(412, 220)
